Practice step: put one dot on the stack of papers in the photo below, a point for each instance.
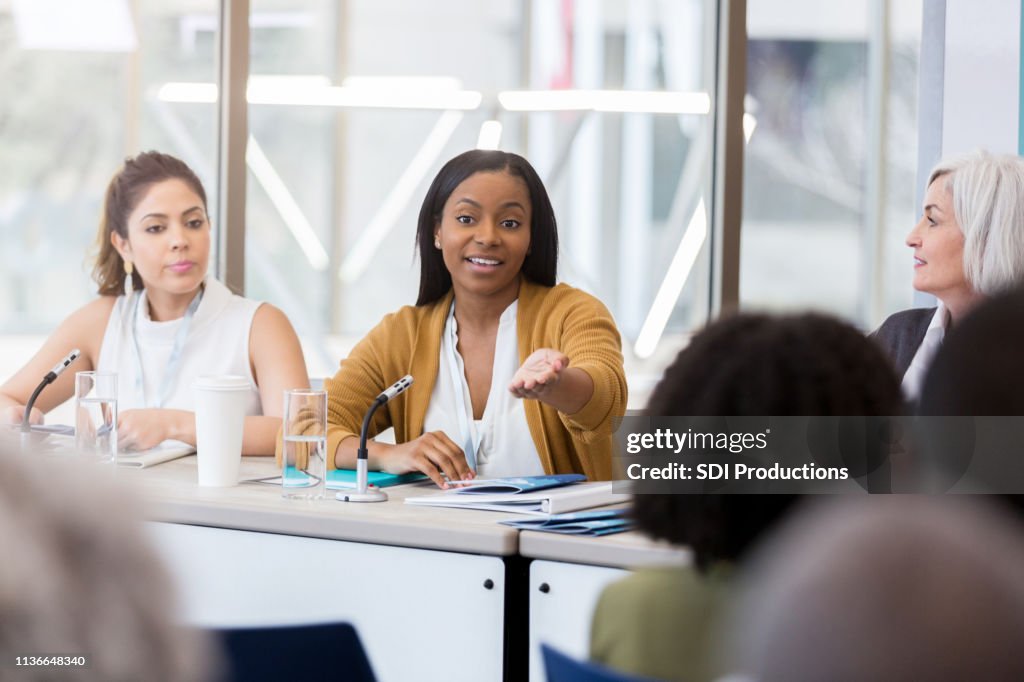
(538, 495)
(589, 523)
(516, 485)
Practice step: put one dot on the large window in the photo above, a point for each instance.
(829, 176)
(79, 91)
(354, 107)
(355, 104)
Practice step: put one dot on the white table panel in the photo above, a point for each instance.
(560, 616)
(421, 614)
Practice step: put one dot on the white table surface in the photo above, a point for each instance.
(173, 495)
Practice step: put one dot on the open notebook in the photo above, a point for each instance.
(58, 438)
(164, 452)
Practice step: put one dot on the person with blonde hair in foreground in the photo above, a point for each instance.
(886, 589)
(79, 579)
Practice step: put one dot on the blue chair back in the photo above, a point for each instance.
(562, 668)
(326, 651)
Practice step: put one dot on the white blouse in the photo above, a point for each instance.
(217, 342)
(913, 378)
(499, 444)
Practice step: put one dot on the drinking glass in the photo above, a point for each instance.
(96, 415)
(305, 444)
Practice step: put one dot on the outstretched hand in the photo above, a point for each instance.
(539, 373)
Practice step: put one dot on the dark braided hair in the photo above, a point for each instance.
(760, 365)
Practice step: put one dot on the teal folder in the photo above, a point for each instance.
(345, 479)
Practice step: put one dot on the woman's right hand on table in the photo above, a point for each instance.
(433, 454)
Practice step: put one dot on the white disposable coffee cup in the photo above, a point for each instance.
(220, 416)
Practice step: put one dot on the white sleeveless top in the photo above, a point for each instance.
(217, 343)
(501, 440)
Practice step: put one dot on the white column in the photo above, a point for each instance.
(981, 97)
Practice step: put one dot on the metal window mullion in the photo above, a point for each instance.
(727, 206)
(875, 196)
(337, 241)
(931, 78)
(232, 137)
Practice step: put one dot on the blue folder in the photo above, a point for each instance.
(345, 479)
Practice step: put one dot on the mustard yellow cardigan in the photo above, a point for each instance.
(409, 342)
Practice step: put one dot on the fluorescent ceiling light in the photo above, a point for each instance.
(625, 101)
(316, 91)
(672, 286)
(432, 83)
(490, 135)
(653, 102)
(289, 83)
(73, 25)
(198, 93)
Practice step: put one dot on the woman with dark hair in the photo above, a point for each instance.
(490, 327)
(659, 621)
(160, 322)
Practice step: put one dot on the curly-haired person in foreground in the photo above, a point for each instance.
(659, 622)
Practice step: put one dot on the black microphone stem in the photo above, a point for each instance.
(362, 452)
(32, 401)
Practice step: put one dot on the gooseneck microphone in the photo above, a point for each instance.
(50, 377)
(362, 492)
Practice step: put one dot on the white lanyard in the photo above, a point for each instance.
(171, 371)
(467, 429)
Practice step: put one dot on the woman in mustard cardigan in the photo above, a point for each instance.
(514, 375)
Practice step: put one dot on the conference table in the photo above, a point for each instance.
(435, 593)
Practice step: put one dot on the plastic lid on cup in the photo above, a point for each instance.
(222, 382)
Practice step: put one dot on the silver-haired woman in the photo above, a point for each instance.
(968, 245)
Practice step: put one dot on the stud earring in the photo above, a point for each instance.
(437, 243)
(129, 286)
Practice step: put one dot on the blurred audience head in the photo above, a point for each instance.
(79, 578)
(888, 589)
(971, 412)
(759, 365)
(977, 369)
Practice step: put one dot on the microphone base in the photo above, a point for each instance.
(372, 494)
